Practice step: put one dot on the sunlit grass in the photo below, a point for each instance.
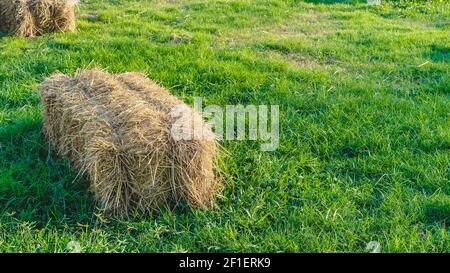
(365, 125)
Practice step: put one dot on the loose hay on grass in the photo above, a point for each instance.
(29, 18)
(117, 128)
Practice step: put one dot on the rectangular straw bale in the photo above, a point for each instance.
(117, 129)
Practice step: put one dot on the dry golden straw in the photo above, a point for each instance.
(29, 18)
(117, 128)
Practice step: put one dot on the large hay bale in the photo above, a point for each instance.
(117, 128)
(29, 18)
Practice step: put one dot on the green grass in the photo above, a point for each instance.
(364, 155)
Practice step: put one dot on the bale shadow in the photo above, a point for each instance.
(35, 185)
(436, 209)
(438, 212)
(439, 54)
(2, 36)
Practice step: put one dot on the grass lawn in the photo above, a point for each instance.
(364, 96)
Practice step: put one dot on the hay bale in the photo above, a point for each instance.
(117, 128)
(15, 18)
(53, 15)
(29, 18)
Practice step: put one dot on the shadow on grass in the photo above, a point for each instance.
(438, 211)
(35, 185)
(59, 46)
(2, 35)
(440, 54)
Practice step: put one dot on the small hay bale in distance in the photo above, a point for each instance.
(53, 15)
(117, 129)
(29, 18)
(16, 18)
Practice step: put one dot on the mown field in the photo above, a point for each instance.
(364, 96)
